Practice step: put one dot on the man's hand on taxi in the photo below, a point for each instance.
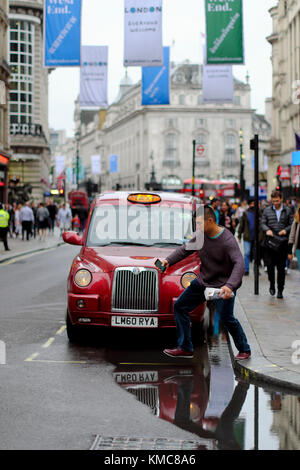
(165, 263)
(225, 293)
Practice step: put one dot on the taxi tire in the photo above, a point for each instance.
(74, 332)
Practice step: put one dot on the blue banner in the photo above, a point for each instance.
(156, 82)
(296, 158)
(113, 164)
(62, 33)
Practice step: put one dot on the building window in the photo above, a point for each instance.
(200, 122)
(181, 99)
(171, 123)
(230, 123)
(21, 60)
(200, 99)
(171, 147)
(201, 139)
(237, 101)
(230, 149)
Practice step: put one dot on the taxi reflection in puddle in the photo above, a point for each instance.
(182, 394)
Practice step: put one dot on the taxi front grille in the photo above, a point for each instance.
(135, 290)
(148, 395)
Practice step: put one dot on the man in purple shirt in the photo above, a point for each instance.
(222, 267)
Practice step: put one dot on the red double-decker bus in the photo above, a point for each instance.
(205, 189)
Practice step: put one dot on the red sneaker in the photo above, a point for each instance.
(242, 356)
(177, 352)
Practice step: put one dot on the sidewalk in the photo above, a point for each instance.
(18, 247)
(272, 326)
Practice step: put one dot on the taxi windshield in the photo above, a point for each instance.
(139, 224)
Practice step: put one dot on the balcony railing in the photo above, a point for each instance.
(202, 162)
(171, 163)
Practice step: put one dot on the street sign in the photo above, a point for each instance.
(200, 150)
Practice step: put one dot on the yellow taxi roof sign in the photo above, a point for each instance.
(144, 198)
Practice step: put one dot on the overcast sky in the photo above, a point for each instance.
(183, 22)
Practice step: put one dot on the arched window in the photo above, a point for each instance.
(201, 139)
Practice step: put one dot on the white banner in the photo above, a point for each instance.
(143, 33)
(96, 164)
(59, 164)
(217, 85)
(93, 76)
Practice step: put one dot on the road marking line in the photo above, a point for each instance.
(59, 362)
(61, 330)
(32, 357)
(48, 343)
(18, 258)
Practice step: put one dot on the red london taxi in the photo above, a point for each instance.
(113, 281)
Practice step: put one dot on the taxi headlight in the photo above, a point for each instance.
(186, 279)
(83, 277)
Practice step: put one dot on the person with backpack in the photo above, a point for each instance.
(42, 216)
(276, 223)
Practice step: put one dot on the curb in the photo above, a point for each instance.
(24, 253)
(256, 370)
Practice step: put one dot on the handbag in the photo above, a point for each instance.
(275, 242)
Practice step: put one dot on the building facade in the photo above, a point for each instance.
(285, 41)
(4, 98)
(30, 162)
(159, 139)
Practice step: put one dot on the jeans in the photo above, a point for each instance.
(248, 254)
(188, 301)
(278, 260)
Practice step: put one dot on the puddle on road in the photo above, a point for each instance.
(203, 397)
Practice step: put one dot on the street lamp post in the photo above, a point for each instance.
(242, 167)
(77, 136)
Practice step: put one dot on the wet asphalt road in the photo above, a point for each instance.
(54, 395)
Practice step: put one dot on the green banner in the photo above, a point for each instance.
(224, 32)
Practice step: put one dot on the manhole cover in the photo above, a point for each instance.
(138, 443)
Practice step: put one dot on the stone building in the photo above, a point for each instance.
(161, 137)
(30, 160)
(4, 82)
(285, 41)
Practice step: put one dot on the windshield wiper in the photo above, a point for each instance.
(167, 243)
(124, 243)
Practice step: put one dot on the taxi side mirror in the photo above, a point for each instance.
(72, 238)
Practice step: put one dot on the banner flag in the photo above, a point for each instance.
(224, 32)
(62, 33)
(297, 137)
(217, 85)
(59, 164)
(156, 82)
(113, 164)
(93, 77)
(96, 164)
(143, 33)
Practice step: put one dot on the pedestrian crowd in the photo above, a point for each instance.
(279, 240)
(30, 221)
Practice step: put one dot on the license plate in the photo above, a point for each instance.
(136, 377)
(136, 322)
